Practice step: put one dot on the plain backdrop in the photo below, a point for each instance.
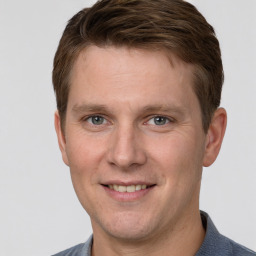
(39, 212)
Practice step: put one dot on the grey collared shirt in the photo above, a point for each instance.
(214, 244)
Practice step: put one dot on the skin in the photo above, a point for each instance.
(126, 89)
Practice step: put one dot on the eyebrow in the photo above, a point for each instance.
(89, 108)
(165, 108)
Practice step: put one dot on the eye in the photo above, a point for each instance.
(159, 120)
(96, 120)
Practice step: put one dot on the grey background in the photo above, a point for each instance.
(39, 212)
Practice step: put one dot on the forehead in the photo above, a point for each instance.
(93, 56)
(130, 73)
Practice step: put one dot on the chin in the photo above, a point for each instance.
(130, 234)
(128, 227)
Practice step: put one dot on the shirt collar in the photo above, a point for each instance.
(213, 241)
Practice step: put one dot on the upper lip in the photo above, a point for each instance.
(128, 183)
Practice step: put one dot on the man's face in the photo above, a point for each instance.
(133, 124)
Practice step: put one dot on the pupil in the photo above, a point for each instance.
(97, 120)
(159, 120)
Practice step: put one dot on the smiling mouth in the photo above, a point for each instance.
(128, 189)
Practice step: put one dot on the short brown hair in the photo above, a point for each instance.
(173, 25)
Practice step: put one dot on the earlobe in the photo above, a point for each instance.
(215, 136)
(61, 137)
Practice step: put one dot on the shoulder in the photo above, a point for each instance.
(217, 244)
(83, 249)
(73, 251)
(238, 249)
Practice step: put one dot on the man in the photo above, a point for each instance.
(138, 87)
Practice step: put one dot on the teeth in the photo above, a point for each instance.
(138, 187)
(129, 189)
(122, 189)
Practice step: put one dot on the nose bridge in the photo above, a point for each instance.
(125, 147)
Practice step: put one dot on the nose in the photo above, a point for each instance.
(126, 148)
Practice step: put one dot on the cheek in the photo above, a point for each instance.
(180, 157)
(85, 155)
(81, 147)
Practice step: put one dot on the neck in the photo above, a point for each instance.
(181, 240)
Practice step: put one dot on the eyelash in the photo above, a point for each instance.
(166, 119)
(87, 118)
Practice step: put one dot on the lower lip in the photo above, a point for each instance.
(127, 196)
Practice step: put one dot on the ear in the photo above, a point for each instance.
(215, 136)
(61, 137)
